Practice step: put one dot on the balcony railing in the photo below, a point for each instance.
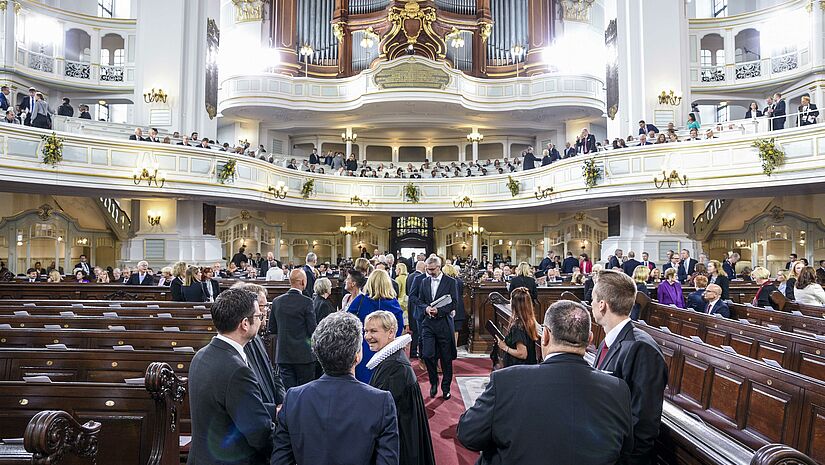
(764, 69)
(61, 69)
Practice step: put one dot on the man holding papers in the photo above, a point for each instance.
(437, 295)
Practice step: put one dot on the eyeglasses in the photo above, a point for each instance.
(258, 315)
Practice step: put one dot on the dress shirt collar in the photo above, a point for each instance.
(234, 345)
(552, 354)
(610, 337)
(296, 290)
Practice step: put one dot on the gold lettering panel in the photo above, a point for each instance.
(412, 75)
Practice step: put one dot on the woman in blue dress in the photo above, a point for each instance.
(378, 294)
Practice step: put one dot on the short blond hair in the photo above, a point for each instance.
(379, 286)
(760, 272)
(670, 272)
(386, 319)
(449, 270)
(641, 273)
(362, 264)
(523, 269)
(322, 286)
(179, 269)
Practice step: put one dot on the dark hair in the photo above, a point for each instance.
(31, 270)
(568, 323)
(336, 342)
(806, 277)
(231, 307)
(617, 289)
(691, 117)
(522, 305)
(357, 278)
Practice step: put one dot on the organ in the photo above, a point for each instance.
(483, 38)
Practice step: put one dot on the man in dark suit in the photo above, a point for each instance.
(270, 262)
(548, 262)
(314, 159)
(646, 261)
(713, 296)
(5, 103)
(569, 150)
(632, 355)
(530, 413)
(696, 299)
(529, 159)
(820, 273)
(791, 258)
(680, 271)
(413, 282)
(569, 263)
(292, 322)
(615, 260)
(27, 105)
(239, 257)
(437, 328)
(586, 143)
(230, 424)
(645, 128)
(807, 112)
(65, 109)
(630, 265)
(309, 270)
(687, 265)
(729, 265)
(337, 419)
(84, 112)
(141, 276)
(33, 276)
(138, 135)
(777, 112)
(84, 265)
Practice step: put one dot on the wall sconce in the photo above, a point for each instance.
(359, 201)
(542, 192)
(348, 137)
(82, 241)
(669, 220)
(153, 218)
(279, 190)
(669, 179)
(370, 38)
(347, 230)
(150, 175)
(670, 98)
(462, 202)
(475, 136)
(475, 230)
(306, 51)
(454, 38)
(740, 244)
(155, 96)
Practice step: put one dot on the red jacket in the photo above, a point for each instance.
(586, 266)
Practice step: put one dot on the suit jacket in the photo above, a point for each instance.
(194, 292)
(176, 288)
(65, 110)
(719, 307)
(749, 114)
(650, 265)
(28, 105)
(820, 275)
(691, 267)
(648, 127)
(588, 145)
(546, 263)
(807, 117)
(635, 358)
(442, 324)
(87, 269)
(310, 272)
(85, 115)
(134, 137)
(525, 281)
(778, 121)
(613, 262)
(730, 270)
(263, 266)
(322, 307)
(529, 161)
(568, 264)
(570, 152)
(680, 273)
(292, 321)
(562, 409)
(630, 265)
(696, 301)
(413, 282)
(4, 102)
(230, 424)
(272, 388)
(134, 280)
(314, 159)
(214, 285)
(316, 424)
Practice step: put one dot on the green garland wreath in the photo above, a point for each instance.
(772, 156)
(307, 188)
(52, 149)
(513, 185)
(591, 173)
(228, 172)
(412, 193)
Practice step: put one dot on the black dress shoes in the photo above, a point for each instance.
(446, 396)
(433, 391)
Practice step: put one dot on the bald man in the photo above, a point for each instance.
(713, 296)
(292, 321)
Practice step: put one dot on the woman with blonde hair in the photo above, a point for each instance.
(178, 271)
(640, 275)
(459, 314)
(165, 276)
(718, 276)
(378, 295)
(193, 290)
(524, 278)
(793, 275)
(54, 277)
(762, 277)
(401, 280)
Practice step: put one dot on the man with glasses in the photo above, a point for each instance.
(713, 295)
(230, 423)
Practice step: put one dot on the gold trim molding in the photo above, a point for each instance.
(576, 10)
(249, 10)
(3, 4)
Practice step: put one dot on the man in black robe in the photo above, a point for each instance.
(392, 372)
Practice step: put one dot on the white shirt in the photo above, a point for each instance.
(275, 274)
(434, 283)
(235, 345)
(709, 308)
(610, 337)
(551, 355)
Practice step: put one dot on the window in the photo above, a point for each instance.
(705, 58)
(720, 57)
(722, 113)
(106, 8)
(120, 57)
(104, 57)
(103, 112)
(720, 8)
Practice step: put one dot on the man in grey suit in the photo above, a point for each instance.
(309, 270)
(561, 409)
(230, 424)
(292, 322)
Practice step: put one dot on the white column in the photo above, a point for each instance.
(816, 35)
(347, 238)
(277, 240)
(7, 44)
(476, 239)
(475, 150)
(546, 247)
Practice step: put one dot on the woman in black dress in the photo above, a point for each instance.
(179, 272)
(519, 345)
(523, 278)
(193, 289)
(391, 371)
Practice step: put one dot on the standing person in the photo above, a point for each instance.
(84, 112)
(460, 314)
(629, 266)
(292, 322)
(519, 345)
(354, 282)
(569, 263)
(615, 260)
(230, 423)
(41, 117)
(529, 160)
(239, 257)
(687, 265)
(27, 105)
(413, 282)
(807, 112)
(753, 111)
(585, 264)
(562, 411)
(437, 328)
(692, 123)
(322, 307)
(632, 355)
(4, 98)
(358, 422)
(547, 262)
(403, 300)
(524, 279)
(176, 287)
(586, 143)
(309, 270)
(193, 287)
(778, 112)
(669, 291)
(378, 295)
(717, 275)
(272, 389)
(391, 371)
(729, 265)
(65, 109)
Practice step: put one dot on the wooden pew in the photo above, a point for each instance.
(102, 303)
(745, 399)
(138, 427)
(101, 339)
(70, 291)
(144, 312)
(785, 305)
(54, 437)
(800, 324)
(131, 323)
(794, 352)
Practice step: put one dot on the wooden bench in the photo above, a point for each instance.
(102, 311)
(785, 305)
(102, 339)
(102, 303)
(131, 323)
(139, 422)
(800, 324)
(54, 437)
(75, 291)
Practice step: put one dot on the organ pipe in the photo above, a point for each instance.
(510, 29)
(314, 28)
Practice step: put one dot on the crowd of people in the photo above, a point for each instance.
(33, 110)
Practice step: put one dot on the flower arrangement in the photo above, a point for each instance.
(591, 173)
(307, 188)
(228, 172)
(772, 156)
(513, 185)
(412, 193)
(52, 149)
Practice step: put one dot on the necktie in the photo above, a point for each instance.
(710, 307)
(602, 355)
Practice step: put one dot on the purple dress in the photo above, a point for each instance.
(668, 293)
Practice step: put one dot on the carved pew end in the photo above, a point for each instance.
(780, 454)
(51, 434)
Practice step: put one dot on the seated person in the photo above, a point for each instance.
(696, 299)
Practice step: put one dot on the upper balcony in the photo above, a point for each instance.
(69, 49)
(746, 51)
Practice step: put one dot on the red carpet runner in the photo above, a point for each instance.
(444, 414)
